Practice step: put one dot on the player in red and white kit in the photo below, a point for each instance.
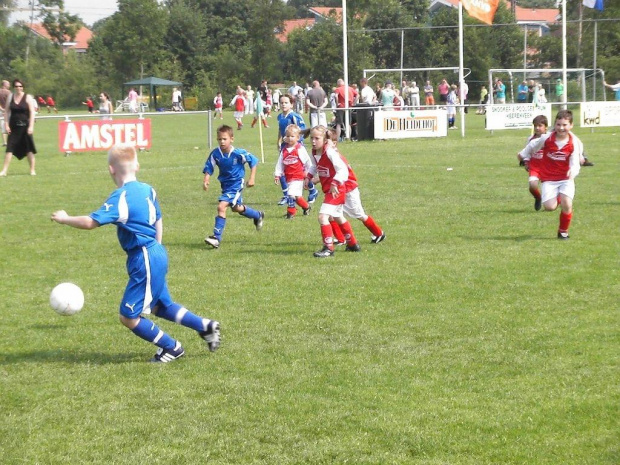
(333, 173)
(353, 204)
(218, 103)
(533, 165)
(294, 164)
(238, 102)
(560, 165)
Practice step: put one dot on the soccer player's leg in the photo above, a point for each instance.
(137, 301)
(247, 211)
(353, 208)
(549, 195)
(567, 193)
(535, 190)
(284, 186)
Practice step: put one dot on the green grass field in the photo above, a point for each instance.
(470, 336)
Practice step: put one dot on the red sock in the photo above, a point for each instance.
(301, 202)
(291, 210)
(536, 193)
(372, 226)
(326, 232)
(264, 122)
(565, 221)
(338, 234)
(348, 233)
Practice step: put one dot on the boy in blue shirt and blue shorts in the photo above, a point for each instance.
(134, 209)
(230, 162)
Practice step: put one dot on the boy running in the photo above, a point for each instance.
(559, 167)
(230, 161)
(533, 165)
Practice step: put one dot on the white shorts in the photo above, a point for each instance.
(332, 210)
(318, 119)
(551, 189)
(2, 124)
(238, 114)
(353, 205)
(295, 188)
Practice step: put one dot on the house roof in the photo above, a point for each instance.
(290, 25)
(80, 42)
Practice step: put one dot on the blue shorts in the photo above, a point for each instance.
(232, 194)
(146, 288)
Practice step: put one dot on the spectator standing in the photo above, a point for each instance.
(559, 90)
(132, 98)
(19, 124)
(484, 97)
(387, 96)
(249, 95)
(367, 95)
(414, 95)
(463, 92)
(5, 92)
(429, 94)
(500, 91)
(316, 100)
(105, 106)
(522, 92)
(341, 103)
(444, 89)
(176, 99)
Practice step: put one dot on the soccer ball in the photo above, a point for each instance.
(67, 299)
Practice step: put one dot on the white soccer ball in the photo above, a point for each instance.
(67, 299)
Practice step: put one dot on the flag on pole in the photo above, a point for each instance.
(596, 4)
(258, 117)
(484, 10)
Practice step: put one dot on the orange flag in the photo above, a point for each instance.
(484, 10)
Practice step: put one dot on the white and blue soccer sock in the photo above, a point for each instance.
(311, 186)
(218, 229)
(150, 332)
(284, 186)
(250, 213)
(183, 316)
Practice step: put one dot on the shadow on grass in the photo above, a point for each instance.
(58, 356)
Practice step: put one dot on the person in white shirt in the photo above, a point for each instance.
(367, 95)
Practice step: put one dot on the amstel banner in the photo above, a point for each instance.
(85, 136)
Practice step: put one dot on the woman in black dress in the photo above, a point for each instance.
(19, 121)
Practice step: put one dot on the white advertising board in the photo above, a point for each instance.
(515, 116)
(600, 114)
(392, 124)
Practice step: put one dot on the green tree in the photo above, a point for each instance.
(59, 24)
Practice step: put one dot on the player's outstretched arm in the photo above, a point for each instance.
(251, 181)
(79, 222)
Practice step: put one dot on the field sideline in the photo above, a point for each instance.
(470, 336)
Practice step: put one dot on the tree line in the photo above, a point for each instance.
(215, 45)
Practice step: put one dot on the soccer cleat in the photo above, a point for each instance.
(289, 216)
(314, 193)
(258, 222)
(165, 355)
(587, 163)
(563, 235)
(353, 248)
(377, 239)
(212, 335)
(283, 200)
(337, 243)
(324, 253)
(307, 211)
(212, 241)
(537, 204)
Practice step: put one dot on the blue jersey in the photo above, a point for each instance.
(232, 171)
(291, 118)
(134, 209)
